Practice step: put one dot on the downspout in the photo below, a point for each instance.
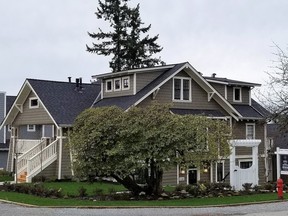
(60, 151)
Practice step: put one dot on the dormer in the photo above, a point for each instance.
(234, 91)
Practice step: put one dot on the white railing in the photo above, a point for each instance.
(41, 160)
(22, 159)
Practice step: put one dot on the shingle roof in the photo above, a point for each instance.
(247, 111)
(126, 101)
(260, 108)
(63, 101)
(230, 81)
(211, 113)
(9, 102)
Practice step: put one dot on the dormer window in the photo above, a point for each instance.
(109, 85)
(117, 84)
(33, 103)
(181, 89)
(237, 94)
(125, 83)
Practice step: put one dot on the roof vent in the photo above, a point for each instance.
(69, 79)
(213, 75)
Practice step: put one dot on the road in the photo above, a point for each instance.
(267, 209)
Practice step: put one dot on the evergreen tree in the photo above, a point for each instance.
(124, 41)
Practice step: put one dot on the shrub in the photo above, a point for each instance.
(82, 192)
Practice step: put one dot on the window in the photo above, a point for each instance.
(109, 85)
(125, 83)
(182, 89)
(250, 131)
(219, 171)
(31, 128)
(33, 103)
(237, 96)
(245, 164)
(117, 84)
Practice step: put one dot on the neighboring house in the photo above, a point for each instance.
(276, 138)
(44, 111)
(5, 104)
(40, 120)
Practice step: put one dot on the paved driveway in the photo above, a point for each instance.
(268, 209)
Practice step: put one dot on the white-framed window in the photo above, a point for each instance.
(181, 89)
(109, 85)
(117, 84)
(33, 103)
(219, 171)
(250, 131)
(31, 128)
(126, 83)
(237, 94)
(245, 163)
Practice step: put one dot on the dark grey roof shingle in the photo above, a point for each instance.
(231, 82)
(280, 138)
(9, 102)
(247, 111)
(63, 101)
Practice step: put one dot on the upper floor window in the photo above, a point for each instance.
(109, 85)
(237, 94)
(182, 89)
(117, 84)
(31, 128)
(250, 131)
(125, 83)
(33, 103)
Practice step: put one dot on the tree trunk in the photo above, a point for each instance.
(129, 183)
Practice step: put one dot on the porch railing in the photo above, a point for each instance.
(41, 160)
(23, 158)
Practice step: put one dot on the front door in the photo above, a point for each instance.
(192, 176)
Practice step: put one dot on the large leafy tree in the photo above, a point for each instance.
(111, 142)
(125, 42)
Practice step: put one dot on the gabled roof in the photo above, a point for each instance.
(168, 73)
(231, 82)
(9, 102)
(63, 101)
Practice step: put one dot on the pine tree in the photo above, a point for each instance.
(124, 41)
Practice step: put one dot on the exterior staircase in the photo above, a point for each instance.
(35, 160)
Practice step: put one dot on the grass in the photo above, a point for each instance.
(38, 201)
(72, 188)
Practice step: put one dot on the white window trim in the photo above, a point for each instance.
(31, 130)
(198, 174)
(245, 160)
(234, 88)
(128, 78)
(223, 170)
(250, 124)
(118, 79)
(33, 107)
(106, 89)
(181, 90)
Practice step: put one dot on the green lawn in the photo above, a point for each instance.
(38, 201)
(72, 188)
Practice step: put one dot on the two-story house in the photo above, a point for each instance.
(5, 104)
(192, 93)
(40, 119)
(44, 111)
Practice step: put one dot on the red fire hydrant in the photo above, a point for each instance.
(280, 188)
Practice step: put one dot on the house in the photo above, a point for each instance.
(192, 93)
(43, 114)
(5, 104)
(40, 119)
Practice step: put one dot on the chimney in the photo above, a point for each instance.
(214, 75)
(69, 79)
(80, 82)
(77, 82)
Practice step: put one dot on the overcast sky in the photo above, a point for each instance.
(45, 39)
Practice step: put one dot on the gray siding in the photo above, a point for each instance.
(245, 95)
(170, 177)
(48, 131)
(32, 116)
(3, 159)
(24, 134)
(120, 92)
(2, 115)
(220, 88)
(143, 79)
